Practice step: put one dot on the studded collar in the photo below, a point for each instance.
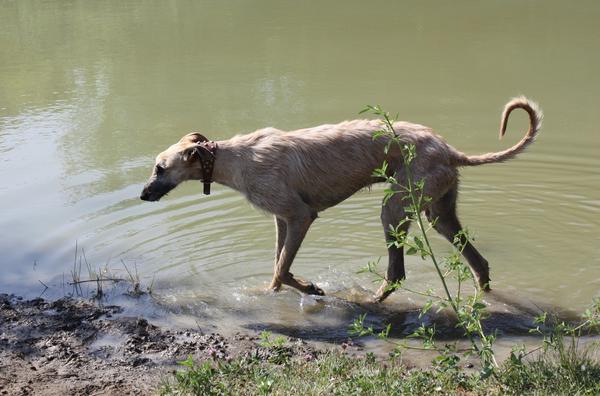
(207, 164)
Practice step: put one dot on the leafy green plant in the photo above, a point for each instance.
(560, 365)
(555, 333)
(199, 379)
(279, 352)
(469, 310)
(267, 340)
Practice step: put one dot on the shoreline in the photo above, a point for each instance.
(80, 347)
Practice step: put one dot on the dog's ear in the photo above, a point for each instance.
(194, 137)
(196, 152)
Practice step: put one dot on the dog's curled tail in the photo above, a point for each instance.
(535, 123)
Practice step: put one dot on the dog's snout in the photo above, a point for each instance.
(145, 195)
(154, 191)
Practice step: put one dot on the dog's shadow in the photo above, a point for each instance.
(507, 316)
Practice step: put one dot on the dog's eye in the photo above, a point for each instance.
(159, 170)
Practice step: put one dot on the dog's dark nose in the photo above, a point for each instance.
(145, 196)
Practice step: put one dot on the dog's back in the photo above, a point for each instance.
(328, 163)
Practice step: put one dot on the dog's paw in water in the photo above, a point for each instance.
(315, 290)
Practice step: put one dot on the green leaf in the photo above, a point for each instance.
(418, 242)
(541, 319)
(189, 362)
(383, 334)
(486, 372)
(426, 308)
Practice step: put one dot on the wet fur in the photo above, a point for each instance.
(295, 175)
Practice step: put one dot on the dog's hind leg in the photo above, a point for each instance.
(296, 228)
(442, 213)
(393, 214)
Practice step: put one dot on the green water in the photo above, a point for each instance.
(90, 92)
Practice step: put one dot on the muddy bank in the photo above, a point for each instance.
(77, 347)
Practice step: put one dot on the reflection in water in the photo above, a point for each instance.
(91, 92)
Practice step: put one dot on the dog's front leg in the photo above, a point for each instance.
(280, 231)
(296, 229)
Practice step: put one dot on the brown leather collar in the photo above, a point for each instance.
(208, 164)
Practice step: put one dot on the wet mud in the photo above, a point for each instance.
(78, 347)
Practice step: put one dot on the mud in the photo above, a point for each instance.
(78, 347)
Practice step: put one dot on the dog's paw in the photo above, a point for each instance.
(485, 286)
(377, 298)
(315, 290)
(383, 293)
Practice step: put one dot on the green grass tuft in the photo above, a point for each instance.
(333, 373)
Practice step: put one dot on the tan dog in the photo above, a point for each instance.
(295, 175)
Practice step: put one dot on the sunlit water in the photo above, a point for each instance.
(90, 92)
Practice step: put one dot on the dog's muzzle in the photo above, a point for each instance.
(155, 191)
(145, 196)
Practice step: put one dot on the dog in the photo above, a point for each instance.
(295, 175)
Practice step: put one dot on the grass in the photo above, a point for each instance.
(572, 372)
(99, 276)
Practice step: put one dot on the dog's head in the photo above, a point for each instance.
(178, 163)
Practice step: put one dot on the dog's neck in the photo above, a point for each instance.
(227, 167)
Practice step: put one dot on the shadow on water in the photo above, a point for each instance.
(509, 316)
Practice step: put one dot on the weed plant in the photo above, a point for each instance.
(469, 310)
